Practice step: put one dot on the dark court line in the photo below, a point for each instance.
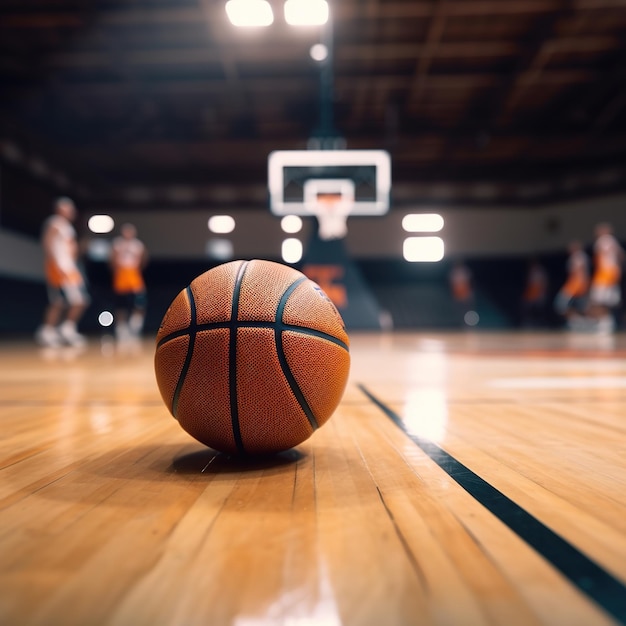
(595, 582)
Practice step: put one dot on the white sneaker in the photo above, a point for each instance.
(135, 324)
(122, 332)
(48, 337)
(580, 324)
(605, 325)
(70, 335)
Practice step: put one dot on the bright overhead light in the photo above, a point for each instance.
(319, 52)
(219, 249)
(471, 318)
(291, 250)
(221, 224)
(99, 249)
(249, 13)
(101, 224)
(105, 318)
(422, 222)
(306, 12)
(423, 249)
(291, 224)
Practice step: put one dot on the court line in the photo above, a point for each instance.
(595, 582)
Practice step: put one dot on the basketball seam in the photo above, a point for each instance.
(232, 359)
(192, 337)
(282, 359)
(256, 324)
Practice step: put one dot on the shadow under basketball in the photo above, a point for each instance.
(210, 461)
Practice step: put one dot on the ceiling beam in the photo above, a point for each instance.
(227, 56)
(433, 38)
(552, 142)
(45, 18)
(264, 54)
(533, 60)
(296, 83)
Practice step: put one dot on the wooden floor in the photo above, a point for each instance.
(465, 479)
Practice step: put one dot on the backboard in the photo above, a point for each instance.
(359, 181)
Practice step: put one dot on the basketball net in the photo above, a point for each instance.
(331, 210)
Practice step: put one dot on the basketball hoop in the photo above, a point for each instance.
(296, 177)
(331, 201)
(332, 213)
(330, 184)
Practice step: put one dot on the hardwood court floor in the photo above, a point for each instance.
(465, 479)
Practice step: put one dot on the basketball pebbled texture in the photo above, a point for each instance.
(252, 357)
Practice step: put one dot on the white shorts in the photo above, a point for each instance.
(74, 295)
(605, 295)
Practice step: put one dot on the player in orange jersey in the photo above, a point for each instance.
(535, 293)
(570, 301)
(605, 293)
(67, 293)
(462, 289)
(128, 258)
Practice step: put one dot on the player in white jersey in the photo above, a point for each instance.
(67, 294)
(605, 293)
(128, 258)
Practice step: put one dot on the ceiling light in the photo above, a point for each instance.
(306, 12)
(423, 249)
(99, 249)
(422, 222)
(291, 250)
(101, 224)
(221, 224)
(319, 52)
(105, 318)
(249, 13)
(291, 224)
(219, 249)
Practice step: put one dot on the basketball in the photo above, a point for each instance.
(252, 357)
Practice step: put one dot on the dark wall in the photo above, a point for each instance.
(21, 305)
(25, 201)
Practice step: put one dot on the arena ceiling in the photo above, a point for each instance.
(153, 102)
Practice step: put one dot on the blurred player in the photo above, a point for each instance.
(128, 258)
(535, 294)
(67, 294)
(570, 301)
(462, 289)
(605, 293)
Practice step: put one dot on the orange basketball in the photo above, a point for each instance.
(252, 357)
